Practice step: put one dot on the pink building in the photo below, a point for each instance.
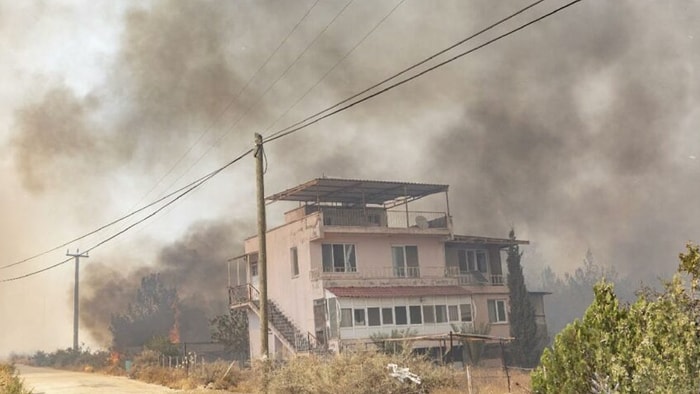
(353, 260)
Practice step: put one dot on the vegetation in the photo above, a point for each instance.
(231, 330)
(526, 347)
(354, 372)
(81, 359)
(472, 349)
(10, 382)
(650, 346)
(396, 343)
(571, 294)
(152, 314)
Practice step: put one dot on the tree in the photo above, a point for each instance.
(231, 330)
(525, 349)
(650, 346)
(152, 314)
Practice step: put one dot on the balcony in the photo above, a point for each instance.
(433, 274)
(377, 217)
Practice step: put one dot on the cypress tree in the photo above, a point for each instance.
(523, 327)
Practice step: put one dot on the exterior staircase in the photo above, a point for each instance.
(294, 338)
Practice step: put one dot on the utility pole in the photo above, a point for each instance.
(76, 300)
(262, 244)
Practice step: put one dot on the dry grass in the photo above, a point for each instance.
(349, 373)
(10, 382)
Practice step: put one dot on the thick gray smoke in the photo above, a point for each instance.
(580, 131)
(574, 130)
(194, 265)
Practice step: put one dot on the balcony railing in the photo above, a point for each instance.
(474, 277)
(333, 216)
(427, 272)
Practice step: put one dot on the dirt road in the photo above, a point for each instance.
(53, 381)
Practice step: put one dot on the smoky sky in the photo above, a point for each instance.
(580, 131)
(195, 265)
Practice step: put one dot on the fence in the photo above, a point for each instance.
(492, 372)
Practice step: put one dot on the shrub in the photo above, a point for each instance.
(353, 372)
(10, 382)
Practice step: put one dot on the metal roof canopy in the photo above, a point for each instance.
(360, 192)
(476, 240)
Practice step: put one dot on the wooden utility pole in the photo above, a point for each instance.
(76, 299)
(262, 244)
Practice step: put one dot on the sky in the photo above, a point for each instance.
(579, 131)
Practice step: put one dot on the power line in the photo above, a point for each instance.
(193, 186)
(230, 103)
(283, 133)
(337, 63)
(427, 59)
(266, 91)
(280, 134)
(172, 168)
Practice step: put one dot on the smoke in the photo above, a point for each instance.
(572, 135)
(195, 265)
(577, 130)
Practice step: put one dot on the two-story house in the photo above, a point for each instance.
(352, 260)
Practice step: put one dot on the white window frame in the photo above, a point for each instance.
(402, 269)
(496, 317)
(349, 250)
(473, 263)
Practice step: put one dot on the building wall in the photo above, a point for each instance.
(293, 294)
(373, 251)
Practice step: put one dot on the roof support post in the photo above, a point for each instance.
(405, 194)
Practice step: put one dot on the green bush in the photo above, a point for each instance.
(651, 346)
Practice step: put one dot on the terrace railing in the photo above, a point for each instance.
(334, 216)
(426, 272)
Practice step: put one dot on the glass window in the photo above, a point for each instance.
(428, 314)
(440, 314)
(415, 314)
(400, 314)
(387, 316)
(481, 261)
(466, 312)
(373, 317)
(405, 261)
(294, 260)
(453, 312)
(359, 317)
(473, 260)
(497, 311)
(346, 317)
(338, 257)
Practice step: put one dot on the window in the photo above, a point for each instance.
(471, 260)
(400, 313)
(254, 269)
(453, 312)
(440, 314)
(359, 317)
(414, 311)
(429, 313)
(338, 257)
(373, 317)
(294, 260)
(405, 260)
(387, 316)
(345, 317)
(466, 312)
(497, 311)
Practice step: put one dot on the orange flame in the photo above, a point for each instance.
(174, 334)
